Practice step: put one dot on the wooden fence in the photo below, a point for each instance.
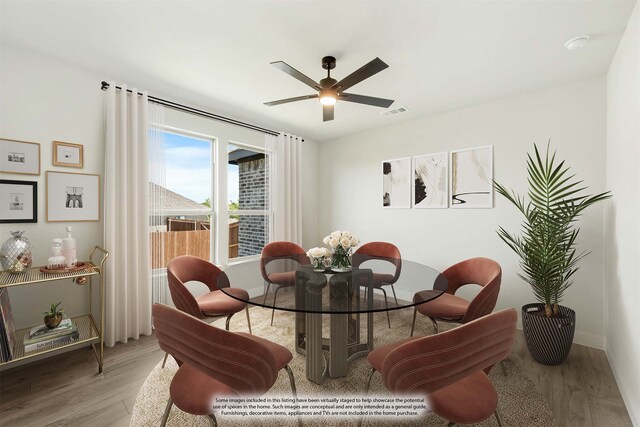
(169, 244)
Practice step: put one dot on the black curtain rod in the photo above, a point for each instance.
(176, 106)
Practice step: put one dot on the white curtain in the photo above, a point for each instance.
(285, 153)
(126, 219)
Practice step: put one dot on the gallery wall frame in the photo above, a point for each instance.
(68, 155)
(20, 157)
(430, 175)
(471, 177)
(396, 183)
(72, 197)
(18, 201)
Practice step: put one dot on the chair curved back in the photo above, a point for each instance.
(281, 250)
(186, 268)
(379, 250)
(243, 364)
(481, 271)
(427, 364)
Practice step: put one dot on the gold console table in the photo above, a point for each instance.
(90, 332)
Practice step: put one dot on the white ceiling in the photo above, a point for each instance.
(442, 54)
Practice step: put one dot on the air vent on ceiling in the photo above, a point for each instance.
(395, 111)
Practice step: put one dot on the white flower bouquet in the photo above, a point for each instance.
(320, 258)
(341, 243)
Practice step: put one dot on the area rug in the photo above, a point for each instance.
(519, 402)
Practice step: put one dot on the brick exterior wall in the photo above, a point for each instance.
(253, 230)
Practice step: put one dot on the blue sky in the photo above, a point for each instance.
(189, 167)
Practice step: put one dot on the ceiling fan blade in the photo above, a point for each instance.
(360, 74)
(327, 113)
(284, 101)
(296, 74)
(369, 100)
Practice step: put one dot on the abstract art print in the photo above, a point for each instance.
(471, 182)
(73, 197)
(430, 175)
(396, 183)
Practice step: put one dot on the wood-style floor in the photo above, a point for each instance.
(66, 389)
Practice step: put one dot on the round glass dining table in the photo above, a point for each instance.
(370, 285)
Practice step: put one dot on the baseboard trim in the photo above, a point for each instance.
(629, 403)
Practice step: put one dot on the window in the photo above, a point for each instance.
(248, 192)
(181, 190)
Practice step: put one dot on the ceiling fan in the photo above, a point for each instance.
(331, 90)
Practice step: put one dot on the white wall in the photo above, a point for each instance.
(43, 99)
(572, 116)
(622, 225)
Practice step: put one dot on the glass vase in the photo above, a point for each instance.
(341, 260)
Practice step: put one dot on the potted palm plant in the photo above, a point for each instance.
(547, 251)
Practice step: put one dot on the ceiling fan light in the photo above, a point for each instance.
(328, 100)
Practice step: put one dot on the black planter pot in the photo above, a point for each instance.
(548, 339)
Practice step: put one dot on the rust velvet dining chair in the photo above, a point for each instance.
(276, 251)
(449, 307)
(450, 369)
(215, 303)
(215, 363)
(386, 252)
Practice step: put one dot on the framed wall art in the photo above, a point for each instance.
(471, 182)
(396, 183)
(18, 201)
(19, 157)
(73, 197)
(430, 181)
(67, 154)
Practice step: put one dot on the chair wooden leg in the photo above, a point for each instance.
(164, 361)
(499, 417)
(292, 380)
(413, 325)
(394, 294)
(275, 297)
(167, 410)
(435, 323)
(264, 302)
(366, 391)
(248, 320)
(386, 306)
(228, 320)
(212, 420)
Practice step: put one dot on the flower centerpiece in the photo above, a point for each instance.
(341, 243)
(318, 257)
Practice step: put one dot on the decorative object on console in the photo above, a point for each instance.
(396, 183)
(56, 260)
(471, 172)
(18, 201)
(67, 154)
(317, 256)
(547, 252)
(341, 244)
(53, 317)
(73, 197)
(430, 181)
(16, 253)
(69, 250)
(19, 157)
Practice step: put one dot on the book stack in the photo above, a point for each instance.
(41, 336)
(7, 328)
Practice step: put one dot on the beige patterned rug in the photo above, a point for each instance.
(520, 403)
